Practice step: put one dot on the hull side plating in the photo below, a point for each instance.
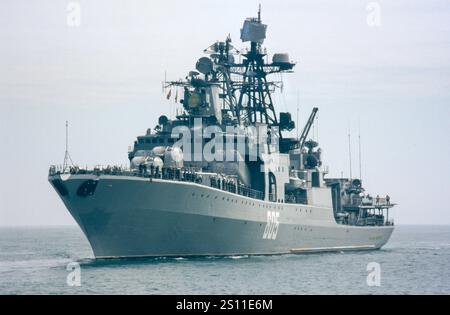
(135, 217)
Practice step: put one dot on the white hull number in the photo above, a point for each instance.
(270, 233)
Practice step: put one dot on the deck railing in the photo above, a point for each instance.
(356, 201)
(178, 174)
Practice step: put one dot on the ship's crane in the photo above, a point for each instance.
(301, 141)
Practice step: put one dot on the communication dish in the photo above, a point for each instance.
(204, 65)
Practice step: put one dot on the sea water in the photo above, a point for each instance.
(42, 260)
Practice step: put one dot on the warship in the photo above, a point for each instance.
(222, 177)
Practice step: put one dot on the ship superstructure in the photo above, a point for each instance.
(221, 178)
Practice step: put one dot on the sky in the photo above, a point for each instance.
(387, 77)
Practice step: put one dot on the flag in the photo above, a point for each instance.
(169, 94)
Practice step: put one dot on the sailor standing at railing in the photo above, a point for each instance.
(152, 170)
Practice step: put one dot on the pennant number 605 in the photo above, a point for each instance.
(271, 230)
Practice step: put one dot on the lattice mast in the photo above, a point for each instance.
(255, 101)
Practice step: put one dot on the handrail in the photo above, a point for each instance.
(365, 201)
(179, 174)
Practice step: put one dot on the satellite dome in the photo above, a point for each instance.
(280, 58)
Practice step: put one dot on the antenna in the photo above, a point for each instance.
(359, 145)
(163, 83)
(350, 152)
(259, 13)
(297, 114)
(67, 157)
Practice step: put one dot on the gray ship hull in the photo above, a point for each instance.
(130, 216)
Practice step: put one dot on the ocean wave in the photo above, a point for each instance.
(239, 257)
(33, 264)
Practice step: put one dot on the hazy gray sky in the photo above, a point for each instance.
(105, 78)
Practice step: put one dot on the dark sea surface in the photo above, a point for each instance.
(34, 261)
